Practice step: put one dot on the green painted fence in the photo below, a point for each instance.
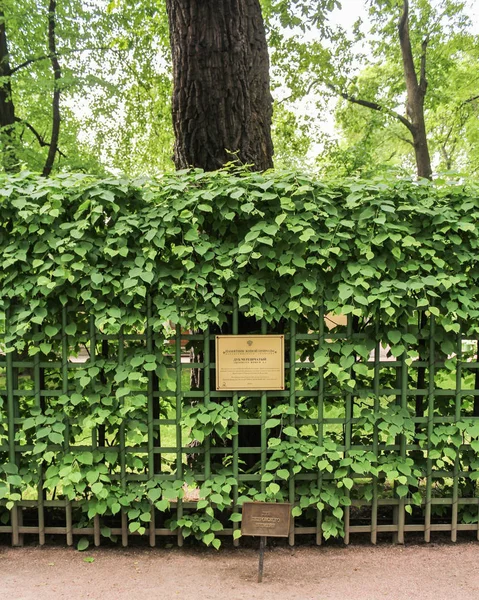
(361, 441)
(110, 425)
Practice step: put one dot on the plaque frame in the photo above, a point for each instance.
(272, 378)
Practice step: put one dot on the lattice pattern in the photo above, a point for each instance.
(394, 418)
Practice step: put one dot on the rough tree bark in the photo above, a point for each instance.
(222, 106)
(7, 107)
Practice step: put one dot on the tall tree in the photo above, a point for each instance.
(374, 139)
(7, 107)
(416, 87)
(222, 105)
(427, 38)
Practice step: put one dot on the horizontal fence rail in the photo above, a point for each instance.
(116, 434)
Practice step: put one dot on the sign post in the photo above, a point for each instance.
(255, 362)
(265, 519)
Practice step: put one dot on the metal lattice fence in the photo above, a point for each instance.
(378, 436)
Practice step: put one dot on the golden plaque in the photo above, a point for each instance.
(249, 362)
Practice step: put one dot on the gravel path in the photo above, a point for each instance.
(419, 572)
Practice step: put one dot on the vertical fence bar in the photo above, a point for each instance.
(292, 404)
(179, 436)
(207, 397)
(150, 418)
(457, 417)
(348, 427)
(38, 405)
(94, 433)
(66, 438)
(402, 443)
(10, 380)
(321, 341)
(263, 416)
(430, 430)
(96, 518)
(124, 519)
(374, 506)
(235, 441)
(395, 535)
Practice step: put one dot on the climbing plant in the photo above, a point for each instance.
(107, 284)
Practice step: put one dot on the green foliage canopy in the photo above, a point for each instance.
(194, 241)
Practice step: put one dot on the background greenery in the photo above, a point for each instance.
(115, 85)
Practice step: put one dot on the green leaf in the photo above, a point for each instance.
(216, 543)
(273, 488)
(394, 336)
(208, 538)
(162, 505)
(270, 423)
(50, 330)
(154, 494)
(71, 329)
(83, 544)
(45, 347)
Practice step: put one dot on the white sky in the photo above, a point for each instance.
(352, 9)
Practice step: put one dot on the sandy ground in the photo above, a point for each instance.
(419, 572)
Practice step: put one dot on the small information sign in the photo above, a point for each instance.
(265, 519)
(271, 519)
(249, 362)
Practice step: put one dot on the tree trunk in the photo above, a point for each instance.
(7, 107)
(222, 106)
(416, 92)
(57, 74)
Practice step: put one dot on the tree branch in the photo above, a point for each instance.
(49, 56)
(471, 99)
(403, 139)
(406, 52)
(57, 74)
(423, 80)
(41, 140)
(446, 157)
(372, 106)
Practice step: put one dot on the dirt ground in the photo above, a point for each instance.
(419, 572)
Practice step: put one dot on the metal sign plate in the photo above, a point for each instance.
(271, 519)
(249, 362)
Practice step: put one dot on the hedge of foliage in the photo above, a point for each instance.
(399, 258)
